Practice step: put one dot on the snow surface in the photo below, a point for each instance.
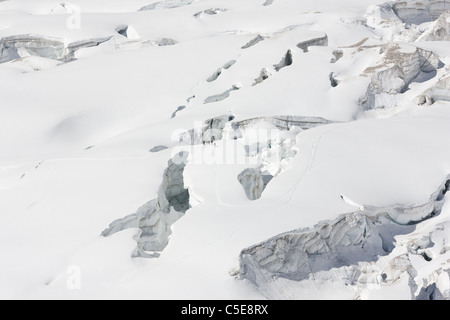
(76, 133)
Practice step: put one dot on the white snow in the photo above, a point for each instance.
(75, 136)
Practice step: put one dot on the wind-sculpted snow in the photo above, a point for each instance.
(155, 218)
(352, 242)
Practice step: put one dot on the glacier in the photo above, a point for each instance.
(210, 149)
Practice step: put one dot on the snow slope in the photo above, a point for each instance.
(314, 137)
